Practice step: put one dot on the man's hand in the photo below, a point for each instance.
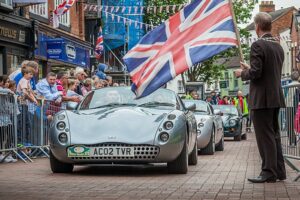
(244, 65)
(76, 99)
(238, 73)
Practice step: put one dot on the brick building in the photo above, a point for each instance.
(54, 49)
(295, 40)
(281, 27)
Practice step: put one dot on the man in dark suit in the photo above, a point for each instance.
(266, 98)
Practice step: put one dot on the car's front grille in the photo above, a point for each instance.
(141, 153)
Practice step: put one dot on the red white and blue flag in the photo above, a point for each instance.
(201, 30)
(60, 10)
(99, 48)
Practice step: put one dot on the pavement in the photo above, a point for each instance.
(220, 176)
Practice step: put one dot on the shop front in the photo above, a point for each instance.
(58, 51)
(15, 42)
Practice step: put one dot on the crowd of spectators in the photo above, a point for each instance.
(56, 88)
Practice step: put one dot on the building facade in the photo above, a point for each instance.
(281, 28)
(28, 34)
(15, 38)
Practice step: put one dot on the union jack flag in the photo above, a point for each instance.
(99, 45)
(60, 10)
(201, 30)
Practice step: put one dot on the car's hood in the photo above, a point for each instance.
(123, 124)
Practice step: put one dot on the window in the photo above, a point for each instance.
(236, 83)
(226, 76)
(65, 18)
(180, 87)
(40, 9)
(7, 2)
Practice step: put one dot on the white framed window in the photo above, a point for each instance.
(65, 18)
(40, 9)
(7, 3)
(180, 86)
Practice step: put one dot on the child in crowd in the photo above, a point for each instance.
(24, 88)
(87, 86)
(72, 85)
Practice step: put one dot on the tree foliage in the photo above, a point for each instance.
(209, 70)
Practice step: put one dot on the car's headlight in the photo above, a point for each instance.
(61, 126)
(63, 138)
(232, 122)
(61, 117)
(171, 117)
(168, 125)
(200, 125)
(164, 136)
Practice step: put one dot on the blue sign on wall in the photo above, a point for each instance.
(63, 50)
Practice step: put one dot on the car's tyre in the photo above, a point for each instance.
(180, 164)
(220, 146)
(238, 138)
(59, 167)
(211, 147)
(193, 157)
(244, 137)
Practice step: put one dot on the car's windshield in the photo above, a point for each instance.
(123, 96)
(229, 110)
(201, 106)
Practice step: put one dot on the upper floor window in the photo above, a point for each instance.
(40, 9)
(65, 18)
(6, 2)
(180, 86)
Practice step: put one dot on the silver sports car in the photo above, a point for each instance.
(111, 126)
(210, 132)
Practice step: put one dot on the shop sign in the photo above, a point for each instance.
(8, 32)
(66, 51)
(13, 33)
(71, 51)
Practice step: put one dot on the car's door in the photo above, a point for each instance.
(192, 124)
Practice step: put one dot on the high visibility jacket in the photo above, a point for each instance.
(245, 105)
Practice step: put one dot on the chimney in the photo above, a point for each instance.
(267, 6)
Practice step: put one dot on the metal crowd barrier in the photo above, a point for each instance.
(24, 127)
(289, 123)
(8, 124)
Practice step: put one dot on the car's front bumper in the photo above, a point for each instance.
(231, 132)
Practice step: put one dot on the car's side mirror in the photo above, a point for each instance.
(218, 112)
(191, 107)
(72, 105)
(244, 115)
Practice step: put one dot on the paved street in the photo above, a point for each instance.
(222, 176)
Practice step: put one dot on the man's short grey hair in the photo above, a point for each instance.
(50, 74)
(33, 64)
(295, 76)
(24, 63)
(264, 21)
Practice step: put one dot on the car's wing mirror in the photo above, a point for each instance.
(72, 105)
(244, 115)
(218, 112)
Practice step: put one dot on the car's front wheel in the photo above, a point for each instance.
(59, 167)
(210, 148)
(193, 157)
(220, 146)
(180, 164)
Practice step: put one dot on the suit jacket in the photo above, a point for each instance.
(266, 59)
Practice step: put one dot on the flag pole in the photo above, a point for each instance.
(237, 32)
